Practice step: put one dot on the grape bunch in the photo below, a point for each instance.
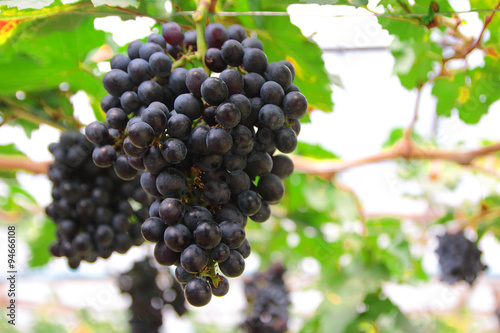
(268, 301)
(148, 298)
(91, 205)
(207, 145)
(459, 258)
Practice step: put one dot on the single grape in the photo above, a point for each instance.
(130, 102)
(251, 42)
(177, 81)
(228, 115)
(271, 188)
(104, 156)
(108, 102)
(245, 249)
(97, 133)
(236, 32)
(232, 53)
(158, 39)
(120, 61)
(219, 140)
(272, 93)
(172, 32)
(248, 202)
(220, 252)
(171, 183)
(182, 275)
(171, 211)
(286, 140)
(234, 265)
(280, 73)
(149, 92)
(179, 126)
(194, 259)
(141, 134)
(259, 163)
(233, 80)
(222, 288)
(155, 118)
(123, 169)
(252, 83)
(133, 49)
(198, 292)
(116, 82)
(295, 105)
(177, 237)
(282, 166)
(214, 91)
(165, 256)
(147, 49)
(214, 61)
(233, 234)
(242, 140)
(160, 63)
(194, 79)
(216, 35)
(153, 229)
(263, 214)
(207, 234)
(173, 150)
(189, 105)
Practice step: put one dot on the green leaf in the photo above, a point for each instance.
(396, 135)
(314, 151)
(471, 92)
(11, 149)
(39, 241)
(40, 61)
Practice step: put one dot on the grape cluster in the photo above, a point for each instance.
(91, 205)
(148, 298)
(268, 301)
(459, 258)
(206, 145)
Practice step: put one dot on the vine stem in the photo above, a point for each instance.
(404, 149)
(23, 113)
(200, 19)
(8, 162)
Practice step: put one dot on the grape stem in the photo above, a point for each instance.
(14, 110)
(185, 59)
(200, 18)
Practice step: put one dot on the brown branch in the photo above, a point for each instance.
(23, 163)
(328, 168)
(472, 45)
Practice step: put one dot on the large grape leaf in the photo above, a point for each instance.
(471, 92)
(42, 61)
